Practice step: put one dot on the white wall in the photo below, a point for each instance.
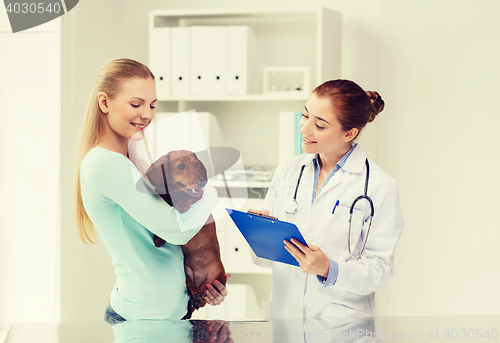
(439, 73)
(30, 88)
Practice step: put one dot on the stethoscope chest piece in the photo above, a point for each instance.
(291, 207)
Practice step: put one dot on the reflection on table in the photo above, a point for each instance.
(367, 329)
(278, 330)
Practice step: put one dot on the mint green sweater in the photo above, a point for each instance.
(150, 281)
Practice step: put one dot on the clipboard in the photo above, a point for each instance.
(265, 236)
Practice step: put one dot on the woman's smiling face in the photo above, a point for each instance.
(321, 131)
(132, 109)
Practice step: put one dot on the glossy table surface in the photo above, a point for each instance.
(369, 329)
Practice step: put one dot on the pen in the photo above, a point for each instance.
(334, 207)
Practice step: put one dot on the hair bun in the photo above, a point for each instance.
(377, 104)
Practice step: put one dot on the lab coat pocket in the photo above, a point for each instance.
(335, 231)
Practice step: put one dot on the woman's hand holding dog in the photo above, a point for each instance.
(215, 295)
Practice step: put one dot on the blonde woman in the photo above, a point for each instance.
(150, 281)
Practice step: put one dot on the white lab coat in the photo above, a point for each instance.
(296, 294)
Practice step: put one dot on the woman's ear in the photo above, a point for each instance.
(102, 99)
(351, 134)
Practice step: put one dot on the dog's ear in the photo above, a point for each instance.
(201, 170)
(165, 172)
(168, 162)
(156, 177)
(165, 184)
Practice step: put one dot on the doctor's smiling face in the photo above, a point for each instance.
(322, 132)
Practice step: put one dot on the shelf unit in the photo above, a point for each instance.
(290, 37)
(286, 37)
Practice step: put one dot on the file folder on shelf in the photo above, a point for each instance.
(217, 60)
(244, 76)
(180, 47)
(159, 59)
(199, 62)
(265, 236)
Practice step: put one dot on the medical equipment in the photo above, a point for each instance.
(366, 197)
(291, 208)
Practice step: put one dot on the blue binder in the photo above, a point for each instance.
(265, 236)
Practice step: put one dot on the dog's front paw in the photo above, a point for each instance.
(159, 242)
(196, 297)
(183, 205)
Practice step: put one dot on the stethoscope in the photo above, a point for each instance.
(291, 208)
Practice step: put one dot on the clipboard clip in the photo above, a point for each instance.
(257, 213)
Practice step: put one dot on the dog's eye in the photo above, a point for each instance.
(197, 165)
(181, 166)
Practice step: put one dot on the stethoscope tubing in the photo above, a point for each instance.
(292, 206)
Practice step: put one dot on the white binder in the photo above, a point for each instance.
(242, 64)
(180, 60)
(199, 60)
(217, 60)
(159, 59)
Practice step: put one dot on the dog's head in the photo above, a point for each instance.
(178, 171)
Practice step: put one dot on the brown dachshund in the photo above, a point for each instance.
(185, 176)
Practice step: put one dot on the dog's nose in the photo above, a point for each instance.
(201, 183)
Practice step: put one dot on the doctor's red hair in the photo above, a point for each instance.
(353, 107)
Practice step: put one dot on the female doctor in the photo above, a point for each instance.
(338, 273)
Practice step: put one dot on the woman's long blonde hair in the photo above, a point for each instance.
(109, 79)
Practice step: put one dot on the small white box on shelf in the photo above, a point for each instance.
(286, 80)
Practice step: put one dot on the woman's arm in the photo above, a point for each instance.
(109, 177)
